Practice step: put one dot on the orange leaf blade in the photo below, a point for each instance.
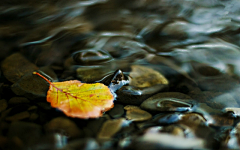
(80, 100)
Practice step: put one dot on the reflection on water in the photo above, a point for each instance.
(194, 44)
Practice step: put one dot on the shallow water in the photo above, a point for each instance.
(193, 44)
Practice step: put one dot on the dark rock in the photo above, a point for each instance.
(83, 144)
(15, 66)
(18, 116)
(168, 102)
(134, 113)
(31, 86)
(33, 117)
(92, 73)
(3, 105)
(117, 111)
(217, 100)
(29, 133)
(64, 126)
(135, 96)
(93, 126)
(18, 100)
(91, 57)
(165, 119)
(44, 105)
(212, 79)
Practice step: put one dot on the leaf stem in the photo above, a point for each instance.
(42, 77)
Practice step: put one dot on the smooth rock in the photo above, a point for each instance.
(168, 102)
(135, 96)
(173, 130)
(134, 113)
(92, 73)
(217, 100)
(64, 126)
(18, 100)
(110, 128)
(3, 105)
(33, 117)
(117, 111)
(192, 119)
(83, 144)
(91, 57)
(142, 76)
(15, 66)
(29, 133)
(93, 126)
(165, 119)
(31, 86)
(212, 79)
(18, 116)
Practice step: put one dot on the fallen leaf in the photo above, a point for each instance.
(78, 99)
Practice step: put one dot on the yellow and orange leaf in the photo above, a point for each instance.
(78, 99)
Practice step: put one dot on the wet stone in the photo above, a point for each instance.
(91, 57)
(92, 73)
(211, 79)
(15, 66)
(193, 119)
(32, 108)
(18, 116)
(3, 105)
(63, 126)
(93, 126)
(117, 111)
(44, 105)
(30, 86)
(134, 113)
(29, 133)
(164, 119)
(18, 100)
(217, 100)
(83, 144)
(142, 76)
(135, 96)
(173, 130)
(33, 117)
(110, 128)
(167, 102)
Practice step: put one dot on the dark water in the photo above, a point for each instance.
(193, 44)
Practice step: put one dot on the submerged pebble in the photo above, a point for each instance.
(110, 128)
(117, 111)
(167, 102)
(15, 66)
(143, 76)
(134, 113)
(63, 126)
(91, 57)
